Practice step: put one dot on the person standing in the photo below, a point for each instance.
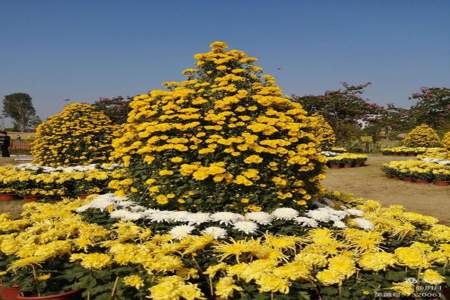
(5, 142)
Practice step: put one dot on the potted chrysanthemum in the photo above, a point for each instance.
(441, 179)
(7, 194)
(46, 281)
(8, 288)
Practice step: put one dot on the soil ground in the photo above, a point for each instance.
(370, 182)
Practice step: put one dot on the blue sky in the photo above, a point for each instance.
(86, 49)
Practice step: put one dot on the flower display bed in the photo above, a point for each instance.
(32, 182)
(419, 171)
(407, 151)
(344, 160)
(117, 246)
(438, 154)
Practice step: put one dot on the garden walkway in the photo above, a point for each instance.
(370, 182)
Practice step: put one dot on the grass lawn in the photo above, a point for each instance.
(370, 182)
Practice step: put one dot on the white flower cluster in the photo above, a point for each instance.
(444, 162)
(329, 153)
(125, 210)
(81, 168)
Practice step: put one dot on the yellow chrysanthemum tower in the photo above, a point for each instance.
(224, 139)
(325, 133)
(421, 136)
(78, 135)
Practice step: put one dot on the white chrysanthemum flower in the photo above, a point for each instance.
(285, 213)
(215, 232)
(335, 218)
(28, 166)
(363, 223)
(226, 217)
(136, 208)
(259, 217)
(329, 153)
(125, 203)
(247, 227)
(198, 218)
(318, 215)
(338, 213)
(125, 215)
(82, 208)
(339, 224)
(120, 199)
(160, 216)
(176, 216)
(181, 231)
(304, 221)
(355, 212)
(148, 213)
(101, 202)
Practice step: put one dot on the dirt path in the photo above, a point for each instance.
(370, 182)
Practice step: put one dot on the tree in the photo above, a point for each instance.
(432, 107)
(389, 122)
(19, 107)
(34, 122)
(116, 108)
(344, 109)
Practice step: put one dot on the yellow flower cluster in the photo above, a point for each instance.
(446, 141)
(219, 136)
(324, 132)
(199, 267)
(439, 153)
(53, 184)
(347, 158)
(76, 136)
(402, 150)
(422, 136)
(418, 169)
(338, 149)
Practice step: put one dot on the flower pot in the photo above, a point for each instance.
(61, 296)
(408, 179)
(334, 166)
(348, 165)
(7, 197)
(441, 182)
(30, 198)
(421, 181)
(9, 293)
(341, 165)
